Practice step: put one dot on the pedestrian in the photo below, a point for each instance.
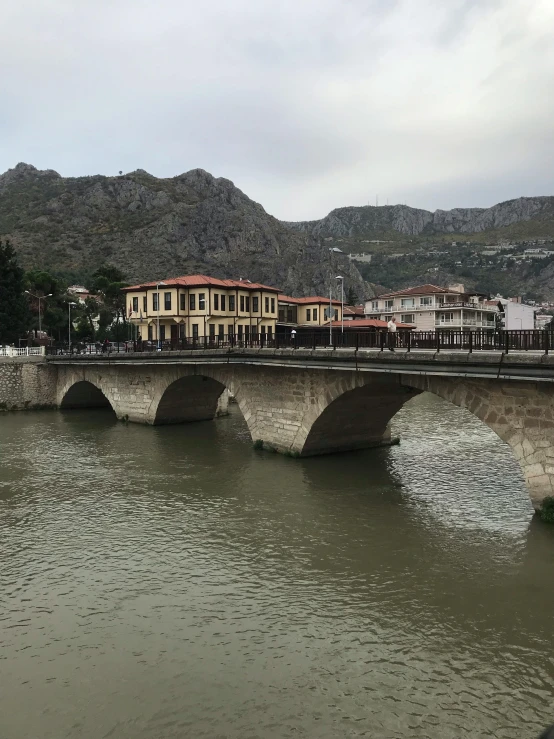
(293, 337)
(391, 328)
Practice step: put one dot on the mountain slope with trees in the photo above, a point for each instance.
(152, 228)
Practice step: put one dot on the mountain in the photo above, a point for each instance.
(534, 216)
(405, 246)
(153, 228)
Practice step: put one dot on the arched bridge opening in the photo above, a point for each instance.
(192, 398)
(84, 394)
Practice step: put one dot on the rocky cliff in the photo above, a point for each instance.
(537, 215)
(153, 228)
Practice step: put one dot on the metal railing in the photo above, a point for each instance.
(450, 340)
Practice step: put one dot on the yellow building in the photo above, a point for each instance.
(310, 312)
(195, 306)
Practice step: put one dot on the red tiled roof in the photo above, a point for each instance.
(318, 300)
(199, 281)
(369, 323)
(353, 310)
(420, 290)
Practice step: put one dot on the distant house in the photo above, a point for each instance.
(428, 307)
(353, 313)
(312, 311)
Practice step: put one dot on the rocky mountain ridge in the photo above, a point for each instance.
(153, 228)
(380, 221)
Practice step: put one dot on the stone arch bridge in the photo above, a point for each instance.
(307, 403)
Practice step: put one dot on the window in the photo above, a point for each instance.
(426, 301)
(212, 330)
(242, 303)
(135, 305)
(145, 304)
(162, 332)
(150, 333)
(182, 331)
(221, 330)
(230, 331)
(246, 332)
(407, 302)
(446, 317)
(267, 305)
(240, 332)
(314, 314)
(231, 302)
(273, 305)
(374, 305)
(247, 300)
(155, 301)
(336, 315)
(255, 305)
(167, 301)
(194, 330)
(407, 318)
(388, 317)
(389, 304)
(192, 302)
(308, 314)
(223, 302)
(202, 301)
(182, 301)
(216, 301)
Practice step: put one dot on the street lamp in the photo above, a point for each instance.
(39, 298)
(160, 284)
(69, 325)
(332, 250)
(341, 278)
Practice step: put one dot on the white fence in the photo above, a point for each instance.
(23, 351)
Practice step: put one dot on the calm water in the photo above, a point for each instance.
(172, 582)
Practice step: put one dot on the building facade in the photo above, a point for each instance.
(195, 306)
(429, 307)
(307, 312)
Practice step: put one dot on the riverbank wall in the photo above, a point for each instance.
(27, 383)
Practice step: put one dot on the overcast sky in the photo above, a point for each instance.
(306, 105)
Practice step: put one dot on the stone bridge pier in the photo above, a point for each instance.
(303, 411)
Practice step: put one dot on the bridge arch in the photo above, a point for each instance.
(84, 394)
(191, 398)
(521, 414)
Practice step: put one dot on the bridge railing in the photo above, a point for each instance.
(446, 340)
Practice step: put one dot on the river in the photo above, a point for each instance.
(170, 582)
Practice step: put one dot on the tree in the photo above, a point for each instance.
(107, 282)
(54, 307)
(351, 297)
(14, 310)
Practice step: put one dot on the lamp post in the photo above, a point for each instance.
(39, 298)
(160, 284)
(332, 250)
(69, 325)
(341, 278)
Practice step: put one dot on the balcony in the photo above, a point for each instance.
(456, 323)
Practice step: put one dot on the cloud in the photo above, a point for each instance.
(306, 105)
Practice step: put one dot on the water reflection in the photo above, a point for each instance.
(173, 582)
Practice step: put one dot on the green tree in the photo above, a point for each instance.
(351, 298)
(107, 282)
(14, 310)
(54, 309)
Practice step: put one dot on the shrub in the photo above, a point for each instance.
(547, 510)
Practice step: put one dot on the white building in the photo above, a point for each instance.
(516, 316)
(428, 307)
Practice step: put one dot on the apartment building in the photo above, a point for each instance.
(197, 305)
(310, 312)
(428, 307)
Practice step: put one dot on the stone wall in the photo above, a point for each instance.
(27, 383)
